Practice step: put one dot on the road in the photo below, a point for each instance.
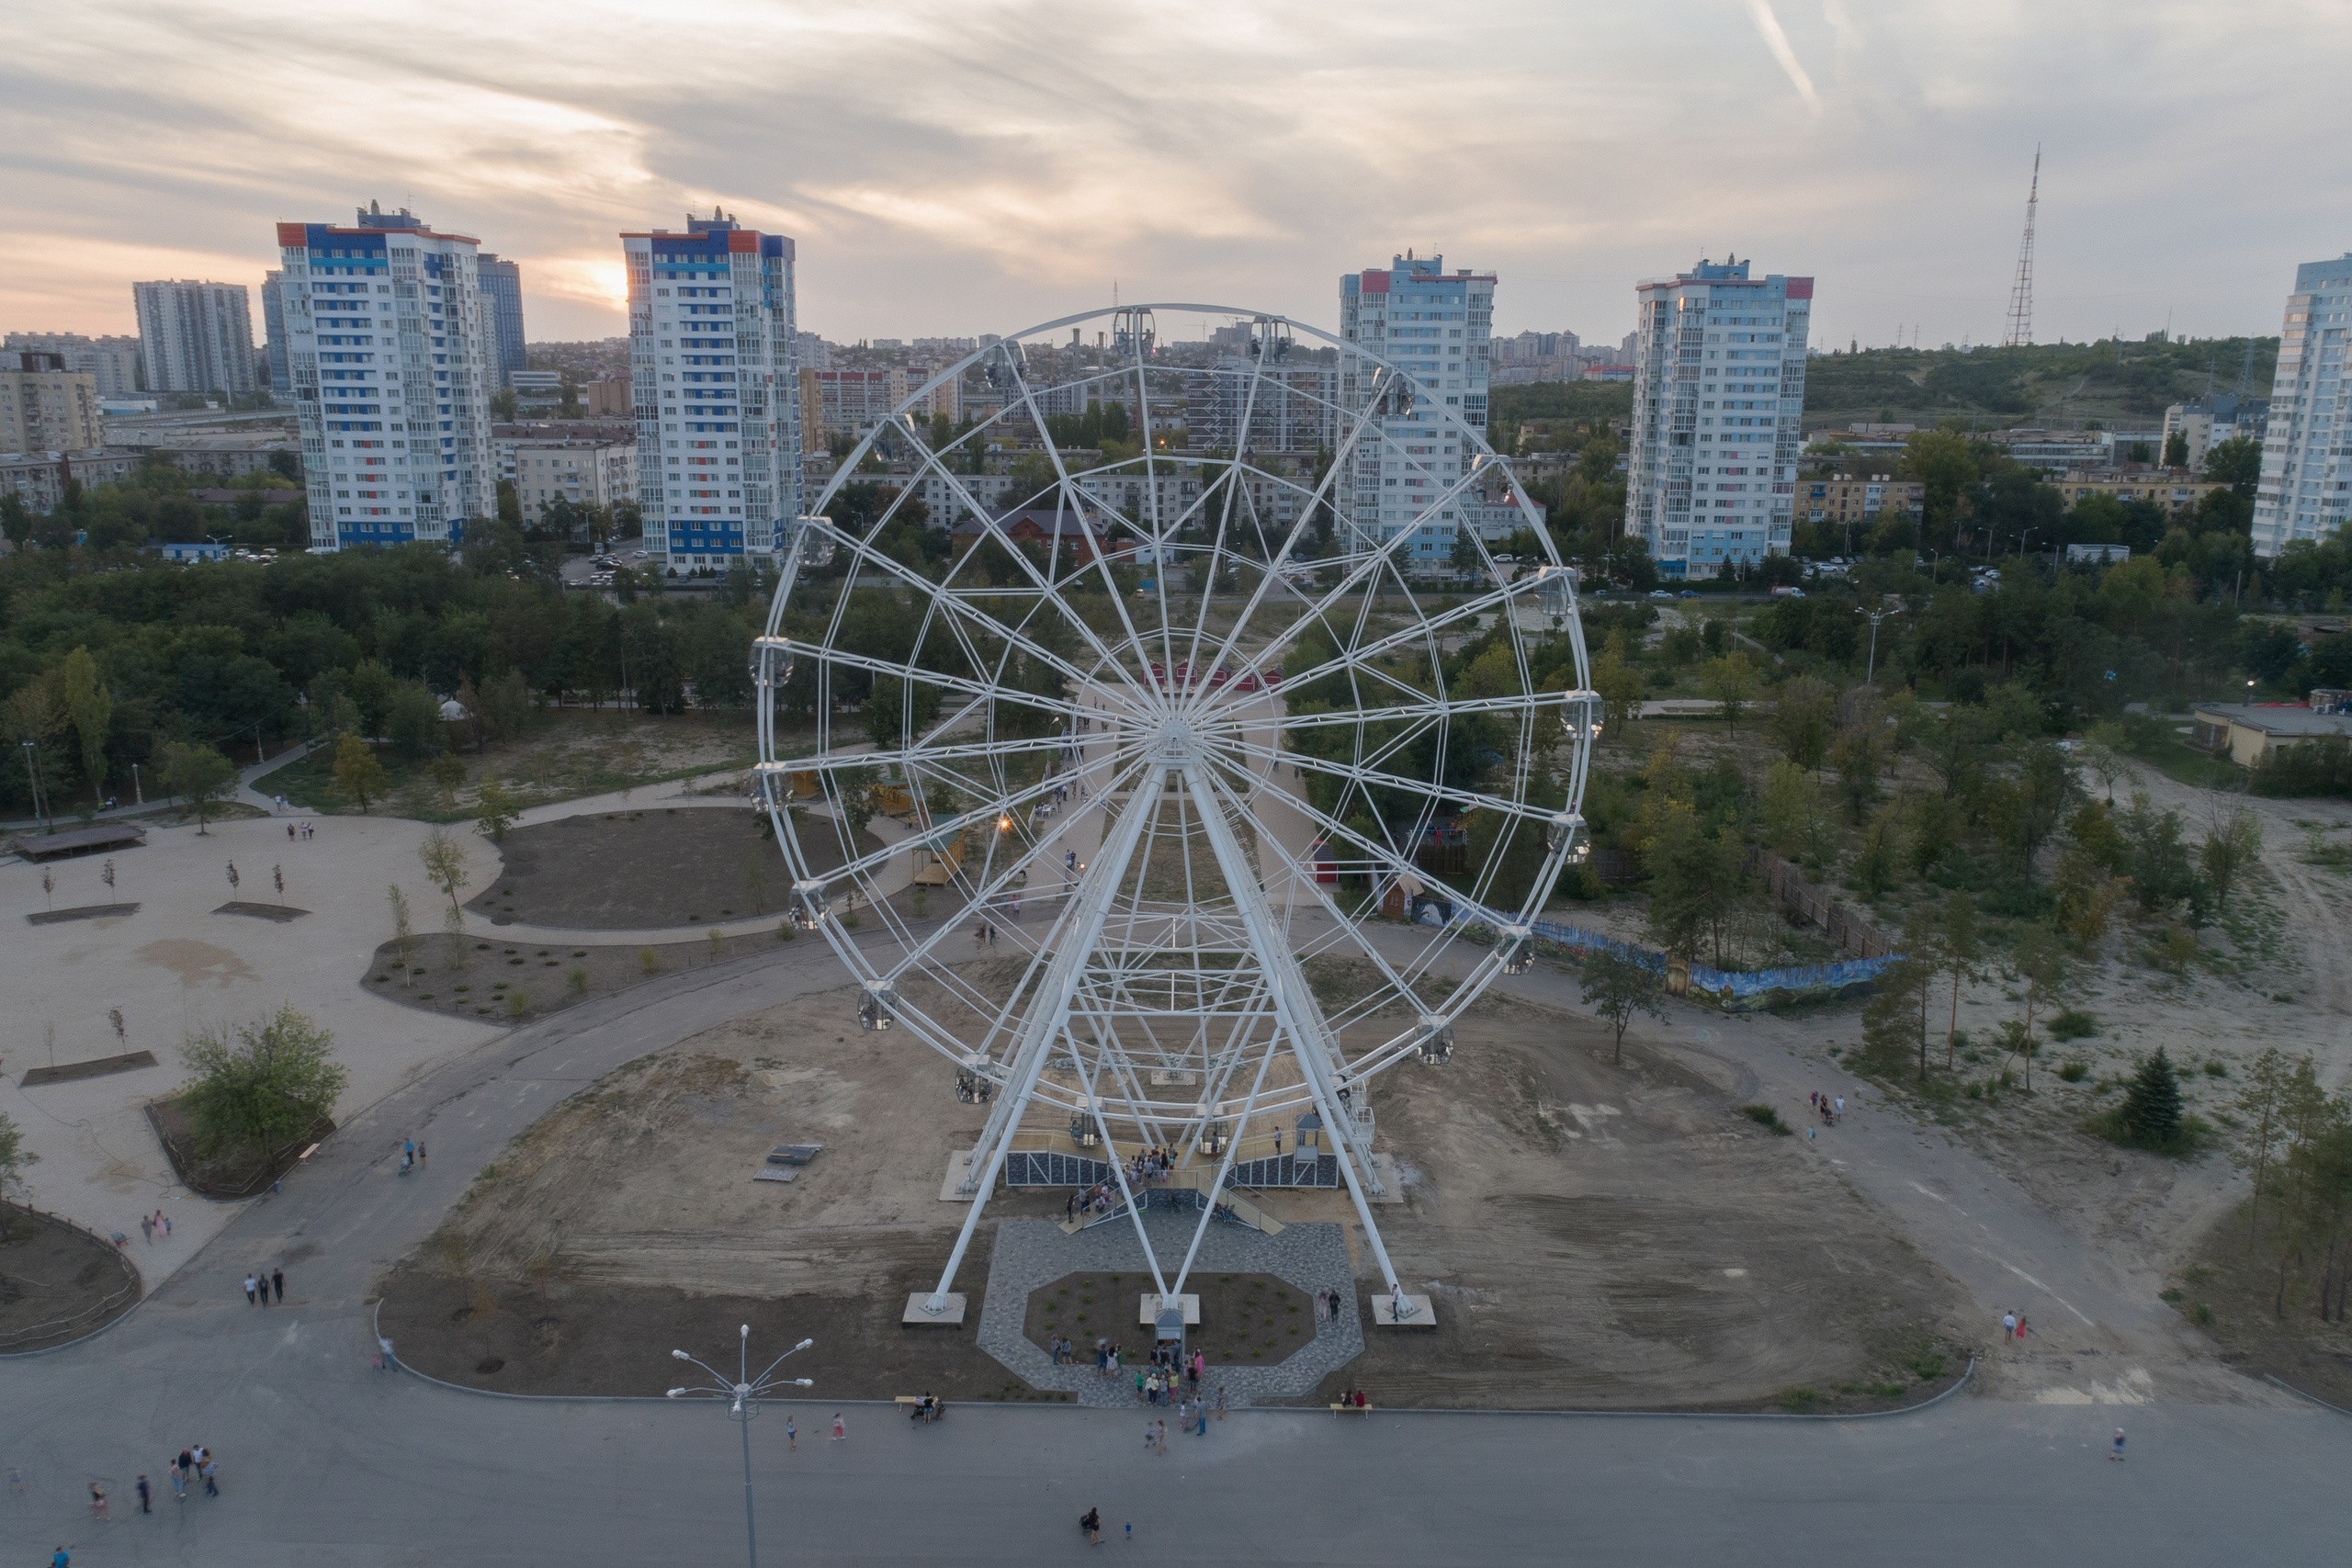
(325, 1462)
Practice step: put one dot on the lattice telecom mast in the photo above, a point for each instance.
(2020, 333)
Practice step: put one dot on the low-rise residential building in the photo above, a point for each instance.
(2207, 422)
(44, 407)
(1858, 499)
(2054, 451)
(226, 454)
(38, 479)
(113, 360)
(2250, 731)
(547, 464)
(2178, 490)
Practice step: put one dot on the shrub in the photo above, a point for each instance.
(2151, 1116)
(578, 980)
(2073, 1024)
(1768, 1117)
(649, 961)
(2074, 1072)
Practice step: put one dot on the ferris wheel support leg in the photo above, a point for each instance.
(1294, 1003)
(1081, 927)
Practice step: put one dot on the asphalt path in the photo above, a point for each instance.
(325, 1461)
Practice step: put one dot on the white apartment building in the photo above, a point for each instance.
(2306, 488)
(546, 466)
(1718, 392)
(717, 398)
(1405, 471)
(388, 353)
(114, 361)
(45, 407)
(197, 337)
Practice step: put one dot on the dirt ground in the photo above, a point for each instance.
(1246, 1319)
(2229, 1288)
(1595, 1235)
(491, 972)
(666, 866)
(55, 1282)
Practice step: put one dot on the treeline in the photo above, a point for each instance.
(270, 511)
(122, 656)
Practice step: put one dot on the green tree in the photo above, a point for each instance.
(403, 934)
(445, 868)
(2236, 463)
(1804, 718)
(359, 777)
(14, 1155)
(198, 775)
(2039, 960)
(2261, 1107)
(1617, 986)
(447, 774)
(15, 522)
(261, 1087)
(2233, 845)
(2151, 1113)
(1732, 681)
(1791, 811)
(2177, 450)
(89, 707)
(1943, 464)
(1693, 880)
(497, 810)
(1618, 683)
(1895, 1019)
(1962, 948)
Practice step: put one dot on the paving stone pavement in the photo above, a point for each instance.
(1032, 1253)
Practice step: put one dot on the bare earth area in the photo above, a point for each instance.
(662, 866)
(1595, 1235)
(57, 1283)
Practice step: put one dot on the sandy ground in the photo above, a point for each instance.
(660, 865)
(1597, 1236)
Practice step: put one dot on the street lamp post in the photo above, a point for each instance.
(32, 774)
(1870, 671)
(744, 1403)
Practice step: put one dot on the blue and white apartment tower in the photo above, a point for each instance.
(2305, 491)
(718, 395)
(1433, 326)
(1718, 392)
(389, 354)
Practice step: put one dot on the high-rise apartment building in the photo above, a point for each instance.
(44, 407)
(711, 326)
(1433, 326)
(2306, 488)
(1718, 391)
(113, 362)
(197, 337)
(502, 286)
(389, 351)
(274, 348)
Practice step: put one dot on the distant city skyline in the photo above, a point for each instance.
(954, 172)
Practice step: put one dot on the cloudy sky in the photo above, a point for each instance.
(975, 165)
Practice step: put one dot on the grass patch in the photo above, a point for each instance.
(2074, 1072)
(1767, 1117)
(2194, 1136)
(1797, 1399)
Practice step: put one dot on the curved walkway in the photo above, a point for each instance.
(325, 1460)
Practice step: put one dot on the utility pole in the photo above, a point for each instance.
(2020, 332)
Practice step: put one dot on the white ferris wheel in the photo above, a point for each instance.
(1225, 703)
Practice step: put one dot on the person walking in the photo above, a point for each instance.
(211, 1468)
(1090, 1521)
(2020, 1327)
(1841, 1105)
(146, 1230)
(99, 1502)
(278, 1282)
(167, 1223)
(179, 1482)
(791, 1437)
(61, 1558)
(261, 1282)
(840, 1432)
(420, 1154)
(144, 1497)
(184, 1471)
(2115, 1452)
(2009, 1325)
(1220, 1402)
(249, 1289)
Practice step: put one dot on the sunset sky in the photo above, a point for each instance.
(976, 166)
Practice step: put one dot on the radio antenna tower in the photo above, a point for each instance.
(2020, 333)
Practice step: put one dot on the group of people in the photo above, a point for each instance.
(1158, 1383)
(2013, 1326)
(258, 1286)
(155, 1226)
(927, 1408)
(412, 1155)
(1829, 1107)
(296, 830)
(1354, 1399)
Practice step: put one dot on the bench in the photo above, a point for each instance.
(1364, 1409)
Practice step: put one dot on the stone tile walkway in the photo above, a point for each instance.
(1034, 1253)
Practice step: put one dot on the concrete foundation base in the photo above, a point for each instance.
(955, 1172)
(1147, 1314)
(949, 1316)
(1418, 1313)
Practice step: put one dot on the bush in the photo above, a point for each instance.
(263, 1087)
(1765, 1116)
(2073, 1024)
(2151, 1116)
(2074, 1072)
